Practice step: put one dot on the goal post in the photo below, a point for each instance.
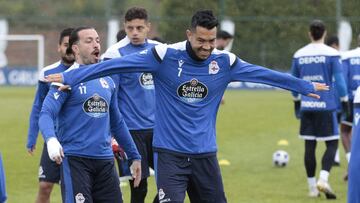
(40, 45)
(20, 65)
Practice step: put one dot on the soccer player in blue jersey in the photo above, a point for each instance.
(351, 67)
(136, 94)
(87, 116)
(333, 41)
(318, 62)
(3, 196)
(354, 164)
(190, 79)
(49, 171)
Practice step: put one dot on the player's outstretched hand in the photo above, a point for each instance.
(135, 169)
(318, 87)
(31, 150)
(54, 78)
(55, 150)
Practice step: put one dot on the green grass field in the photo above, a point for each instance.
(249, 125)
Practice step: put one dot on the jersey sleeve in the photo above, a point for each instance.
(346, 73)
(33, 131)
(121, 132)
(49, 111)
(243, 71)
(145, 61)
(295, 72)
(340, 83)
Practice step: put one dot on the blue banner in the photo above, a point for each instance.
(18, 76)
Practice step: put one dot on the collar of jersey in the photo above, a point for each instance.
(191, 52)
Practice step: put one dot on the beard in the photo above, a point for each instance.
(68, 59)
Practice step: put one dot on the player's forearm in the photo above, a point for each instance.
(267, 76)
(340, 84)
(33, 130)
(46, 124)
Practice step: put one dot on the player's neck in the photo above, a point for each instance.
(191, 52)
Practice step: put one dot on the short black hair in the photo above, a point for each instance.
(222, 34)
(65, 33)
(317, 29)
(332, 40)
(74, 37)
(136, 13)
(204, 18)
(120, 35)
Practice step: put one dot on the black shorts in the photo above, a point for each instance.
(143, 141)
(200, 177)
(348, 121)
(89, 180)
(49, 171)
(319, 125)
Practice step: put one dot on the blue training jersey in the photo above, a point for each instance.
(87, 116)
(136, 93)
(41, 92)
(188, 90)
(317, 62)
(351, 67)
(354, 164)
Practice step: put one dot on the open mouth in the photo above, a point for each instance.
(96, 53)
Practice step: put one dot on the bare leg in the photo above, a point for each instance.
(45, 189)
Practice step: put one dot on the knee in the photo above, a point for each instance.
(45, 187)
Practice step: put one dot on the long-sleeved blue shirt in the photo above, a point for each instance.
(87, 116)
(136, 92)
(317, 62)
(354, 164)
(188, 90)
(351, 68)
(41, 92)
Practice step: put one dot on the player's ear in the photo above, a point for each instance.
(75, 48)
(59, 48)
(188, 34)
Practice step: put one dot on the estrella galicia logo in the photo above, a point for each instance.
(146, 80)
(96, 106)
(192, 91)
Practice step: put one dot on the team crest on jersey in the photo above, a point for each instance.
(192, 91)
(96, 106)
(103, 83)
(79, 198)
(213, 67)
(146, 80)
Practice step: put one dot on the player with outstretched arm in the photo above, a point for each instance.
(190, 78)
